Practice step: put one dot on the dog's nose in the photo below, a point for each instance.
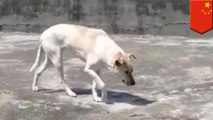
(132, 83)
(123, 80)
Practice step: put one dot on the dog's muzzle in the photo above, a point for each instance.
(129, 83)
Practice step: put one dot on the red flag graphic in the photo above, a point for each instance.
(201, 15)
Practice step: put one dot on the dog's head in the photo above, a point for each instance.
(123, 67)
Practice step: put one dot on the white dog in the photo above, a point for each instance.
(93, 46)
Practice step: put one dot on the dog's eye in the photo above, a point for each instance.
(127, 72)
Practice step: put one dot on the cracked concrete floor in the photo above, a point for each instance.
(173, 81)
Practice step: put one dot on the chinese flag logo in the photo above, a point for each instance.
(201, 15)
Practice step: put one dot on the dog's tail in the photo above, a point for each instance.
(38, 58)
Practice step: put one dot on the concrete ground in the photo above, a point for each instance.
(173, 82)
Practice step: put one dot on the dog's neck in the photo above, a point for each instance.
(108, 50)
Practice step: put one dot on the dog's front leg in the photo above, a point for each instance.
(94, 88)
(94, 92)
(97, 81)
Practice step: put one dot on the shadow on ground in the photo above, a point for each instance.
(113, 96)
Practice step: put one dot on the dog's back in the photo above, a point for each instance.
(82, 40)
(75, 36)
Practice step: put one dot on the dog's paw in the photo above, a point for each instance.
(72, 94)
(35, 88)
(97, 99)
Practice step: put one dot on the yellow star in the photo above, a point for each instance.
(207, 4)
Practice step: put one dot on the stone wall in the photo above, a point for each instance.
(158, 17)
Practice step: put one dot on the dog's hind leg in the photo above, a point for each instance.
(57, 61)
(39, 71)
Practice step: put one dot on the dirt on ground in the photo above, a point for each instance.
(173, 77)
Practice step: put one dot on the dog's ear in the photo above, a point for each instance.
(118, 60)
(131, 56)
